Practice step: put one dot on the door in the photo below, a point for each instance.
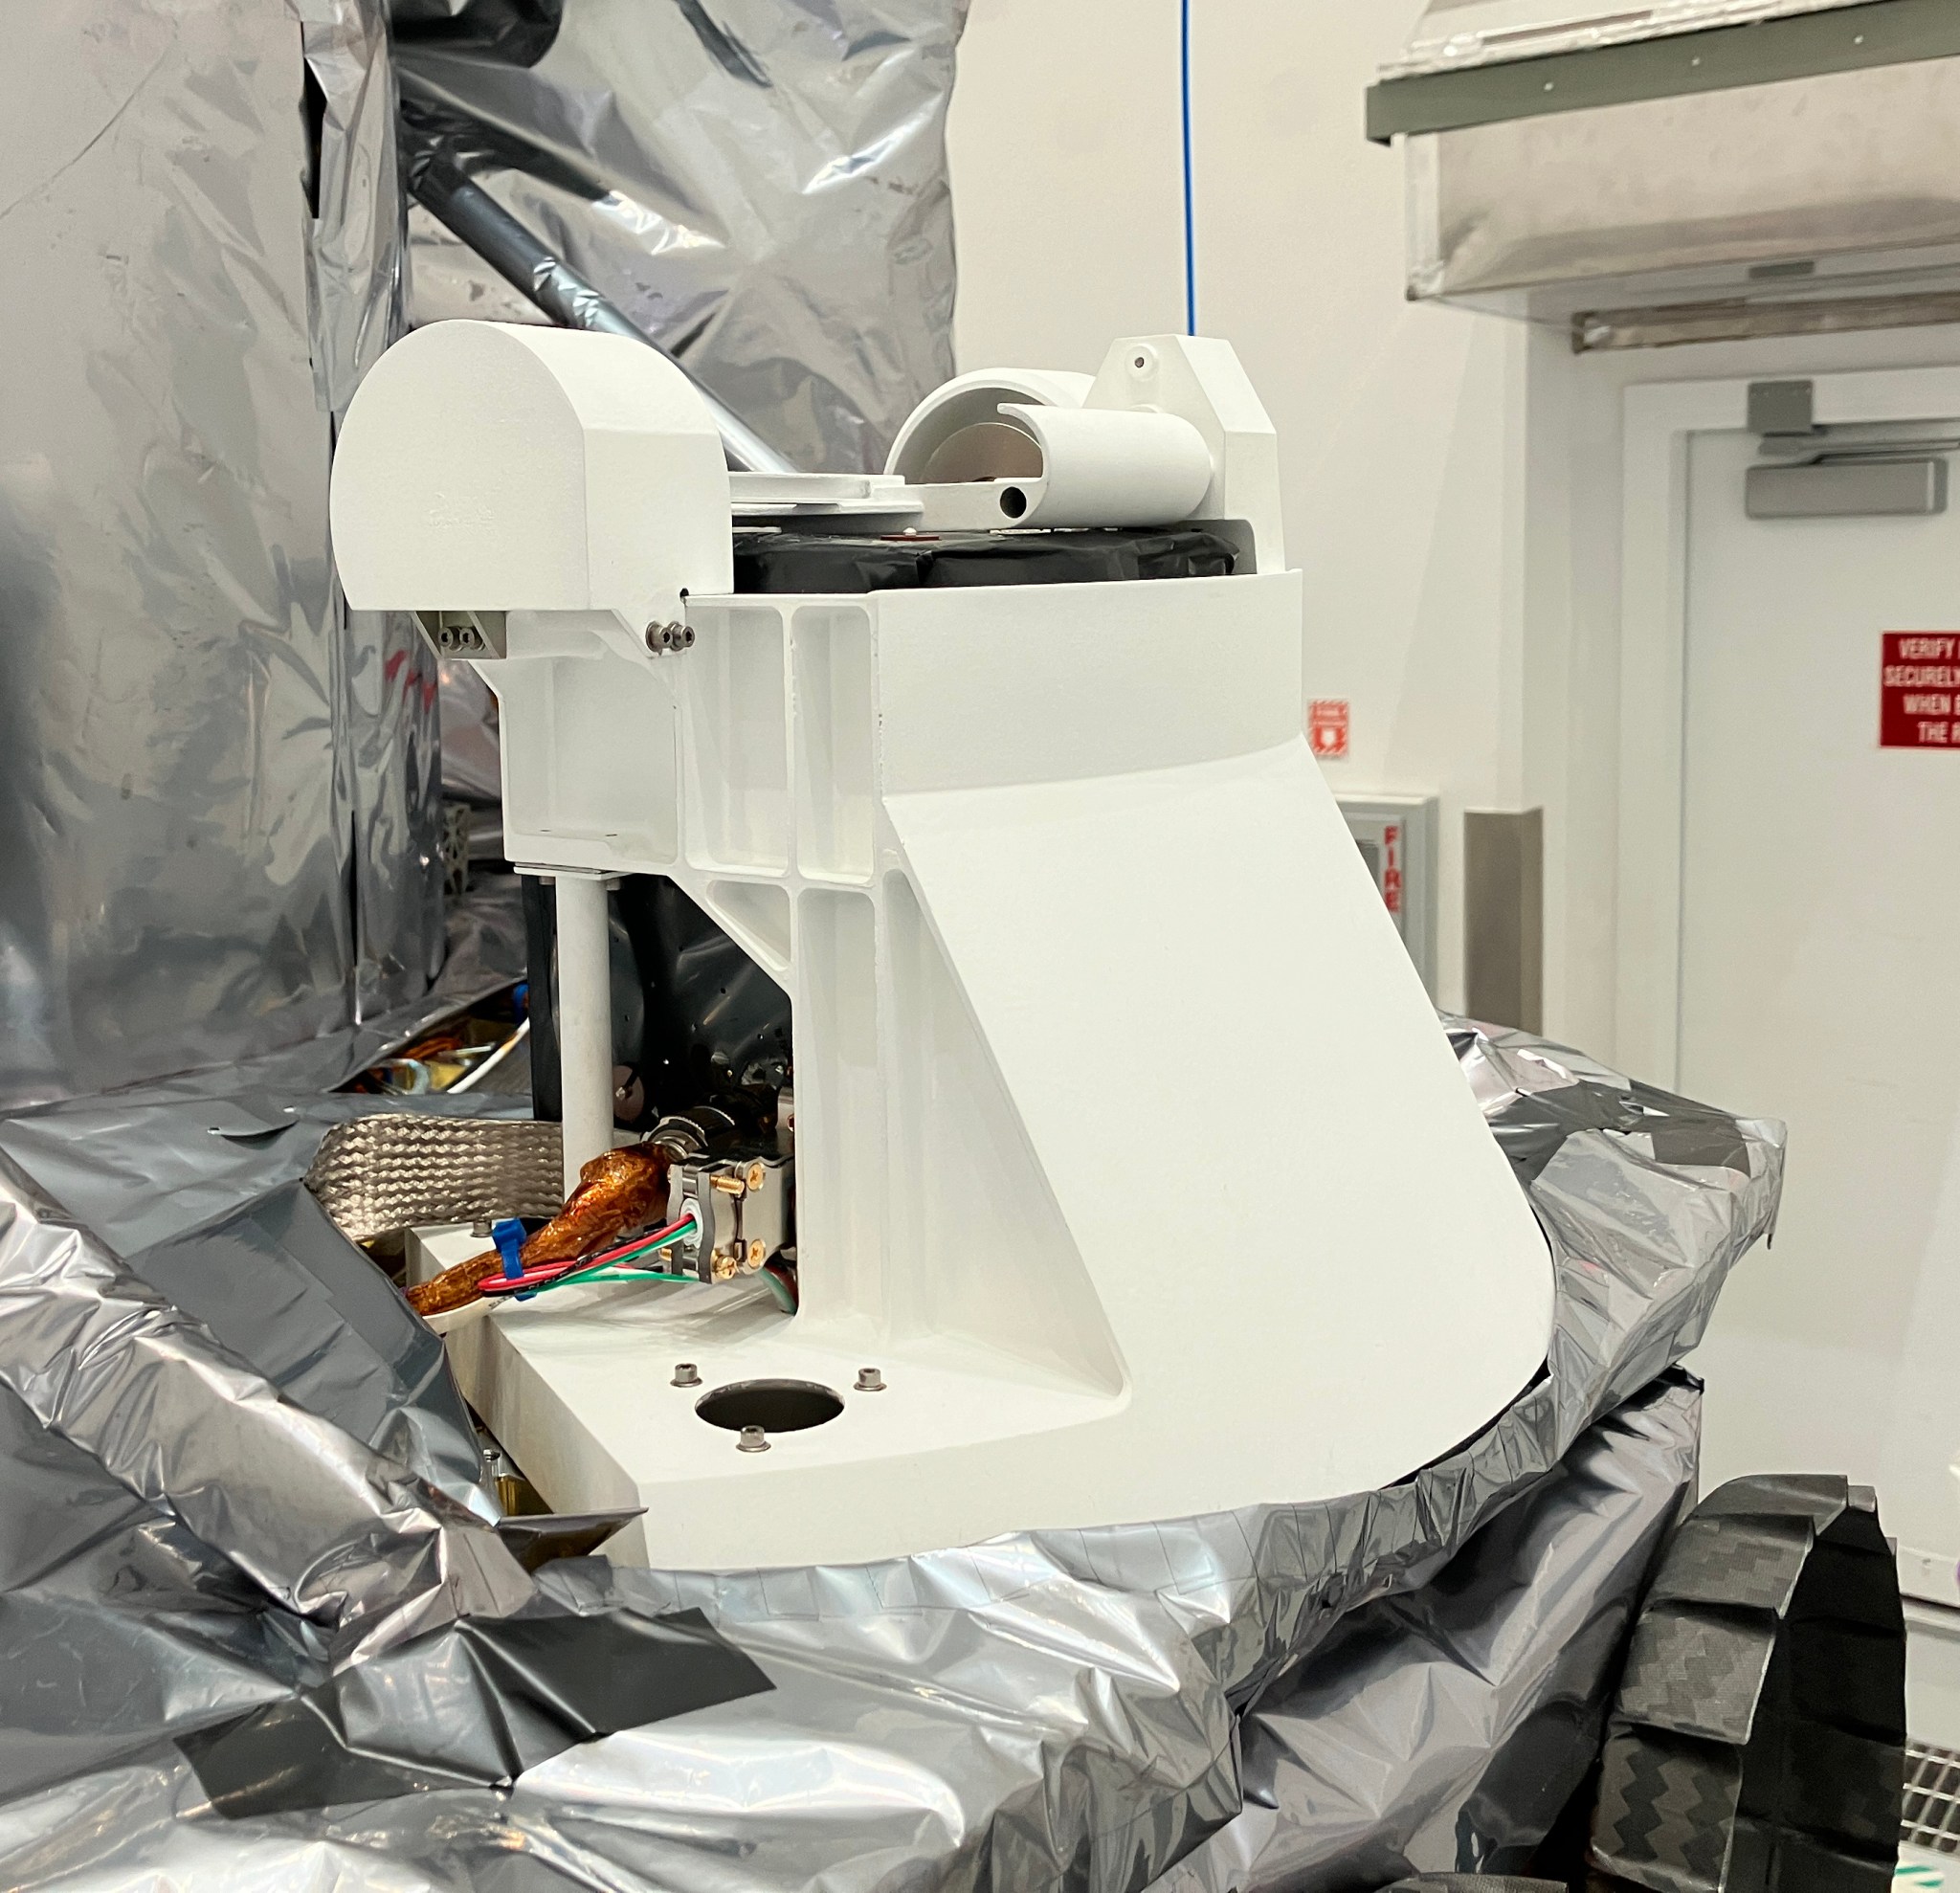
(1819, 982)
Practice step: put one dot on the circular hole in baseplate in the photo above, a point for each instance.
(777, 1406)
(1013, 502)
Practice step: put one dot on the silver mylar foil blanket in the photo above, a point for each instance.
(208, 1524)
(759, 185)
(218, 795)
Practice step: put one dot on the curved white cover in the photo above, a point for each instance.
(972, 397)
(493, 466)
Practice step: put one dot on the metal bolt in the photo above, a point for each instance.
(673, 636)
(756, 1255)
(870, 1380)
(758, 1174)
(753, 1440)
(686, 1374)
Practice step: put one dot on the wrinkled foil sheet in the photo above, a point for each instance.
(389, 750)
(214, 790)
(151, 1162)
(1306, 1695)
(268, 1278)
(760, 184)
(1445, 1729)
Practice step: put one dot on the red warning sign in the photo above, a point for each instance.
(1918, 690)
(1327, 728)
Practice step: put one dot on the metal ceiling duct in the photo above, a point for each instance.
(1685, 170)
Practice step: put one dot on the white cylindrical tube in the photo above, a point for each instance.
(584, 1020)
(1112, 466)
(973, 400)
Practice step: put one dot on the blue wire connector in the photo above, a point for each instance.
(509, 1238)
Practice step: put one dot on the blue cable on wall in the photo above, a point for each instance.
(1190, 262)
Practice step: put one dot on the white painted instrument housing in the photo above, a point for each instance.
(1128, 1147)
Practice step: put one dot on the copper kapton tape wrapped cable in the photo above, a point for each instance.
(618, 1191)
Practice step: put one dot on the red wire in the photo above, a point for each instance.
(509, 1284)
(543, 1272)
(637, 1242)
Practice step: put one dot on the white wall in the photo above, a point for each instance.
(1571, 620)
(1400, 428)
(1067, 171)
(1452, 480)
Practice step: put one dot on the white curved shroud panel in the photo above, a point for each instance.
(1130, 1148)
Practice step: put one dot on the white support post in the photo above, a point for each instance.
(584, 1020)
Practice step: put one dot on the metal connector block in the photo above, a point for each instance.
(742, 1209)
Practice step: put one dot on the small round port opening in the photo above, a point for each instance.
(1013, 502)
(777, 1406)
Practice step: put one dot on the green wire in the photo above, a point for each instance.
(611, 1275)
(631, 1255)
(627, 1260)
(621, 1266)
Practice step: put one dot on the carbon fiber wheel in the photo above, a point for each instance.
(1758, 1742)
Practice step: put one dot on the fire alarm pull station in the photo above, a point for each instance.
(1397, 838)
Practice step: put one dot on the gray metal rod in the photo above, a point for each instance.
(469, 211)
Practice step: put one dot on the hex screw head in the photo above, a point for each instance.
(686, 1374)
(870, 1380)
(753, 1440)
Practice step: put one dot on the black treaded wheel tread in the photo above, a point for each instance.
(1759, 1738)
